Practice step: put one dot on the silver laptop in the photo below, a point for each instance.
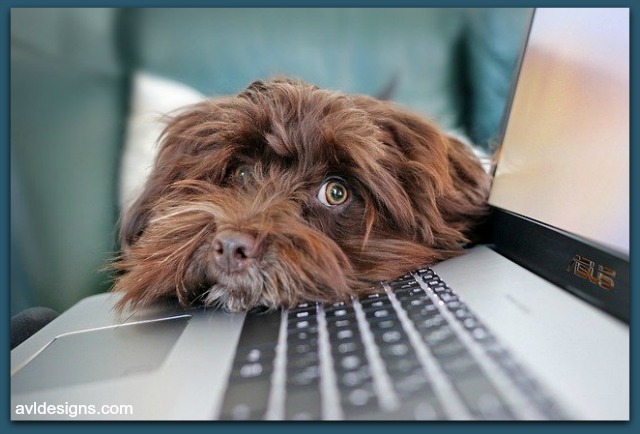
(532, 326)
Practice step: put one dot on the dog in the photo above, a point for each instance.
(287, 192)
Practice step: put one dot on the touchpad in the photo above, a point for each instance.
(101, 354)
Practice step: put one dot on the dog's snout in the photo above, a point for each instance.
(233, 250)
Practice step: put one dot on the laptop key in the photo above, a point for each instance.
(260, 328)
(303, 375)
(358, 403)
(303, 403)
(482, 399)
(245, 400)
(375, 304)
(414, 292)
(354, 378)
(247, 392)
(409, 283)
(420, 409)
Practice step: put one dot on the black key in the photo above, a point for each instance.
(348, 380)
(425, 319)
(390, 336)
(407, 276)
(245, 400)
(375, 304)
(424, 270)
(416, 302)
(410, 293)
(422, 405)
(301, 325)
(447, 297)
(381, 314)
(437, 335)
(309, 313)
(348, 307)
(304, 335)
(344, 334)
(296, 347)
(337, 336)
(424, 313)
(303, 376)
(304, 306)
(419, 407)
(247, 392)
(462, 366)
(441, 289)
(482, 399)
(358, 402)
(250, 371)
(401, 367)
(302, 360)
(481, 334)
(302, 314)
(440, 336)
(303, 403)
(433, 281)
(349, 362)
(348, 348)
(258, 353)
(462, 313)
(426, 323)
(403, 284)
(381, 294)
(342, 322)
(454, 305)
(391, 351)
(450, 349)
(384, 325)
(470, 322)
(329, 306)
(413, 383)
(426, 308)
(337, 326)
(259, 329)
(341, 313)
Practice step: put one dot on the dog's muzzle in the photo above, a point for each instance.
(233, 251)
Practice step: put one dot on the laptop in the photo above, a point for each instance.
(534, 325)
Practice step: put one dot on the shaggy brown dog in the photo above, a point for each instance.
(287, 192)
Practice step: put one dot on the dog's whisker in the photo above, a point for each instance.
(197, 300)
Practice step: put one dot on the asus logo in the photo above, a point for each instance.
(597, 274)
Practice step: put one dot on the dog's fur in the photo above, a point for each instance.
(415, 195)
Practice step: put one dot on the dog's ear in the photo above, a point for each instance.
(132, 223)
(188, 136)
(441, 175)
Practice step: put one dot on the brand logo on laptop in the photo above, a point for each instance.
(586, 269)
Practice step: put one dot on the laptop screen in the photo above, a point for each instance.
(565, 150)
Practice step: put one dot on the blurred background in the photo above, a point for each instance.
(79, 77)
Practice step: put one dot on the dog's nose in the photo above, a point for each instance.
(233, 250)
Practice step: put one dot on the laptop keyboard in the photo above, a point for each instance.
(412, 350)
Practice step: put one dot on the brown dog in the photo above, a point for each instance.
(287, 192)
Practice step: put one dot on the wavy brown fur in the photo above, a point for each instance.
(415, 196)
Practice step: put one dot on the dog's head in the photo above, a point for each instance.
(287, 192)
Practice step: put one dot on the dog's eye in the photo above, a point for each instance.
(242, 173)
(333, 193)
